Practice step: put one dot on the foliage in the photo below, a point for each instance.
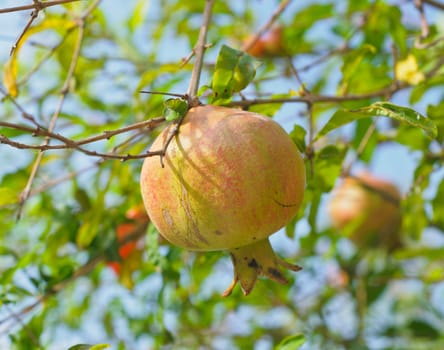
(74, 128)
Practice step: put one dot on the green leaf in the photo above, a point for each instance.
(353, 59)
(422, 329)
(7, 196)
(292, 342)
(327, 167)
(385, 109)
(298, 136)
(87, 232)
(175, 108)
(89, 347)
(138, 14)
(82, 199)
(233, 72)
(313, 13)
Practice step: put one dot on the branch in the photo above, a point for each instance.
(199, 49)
(71, 144)
(44, 147)
(37, 5)
(311, 98)
(434, 3)
(424, 25)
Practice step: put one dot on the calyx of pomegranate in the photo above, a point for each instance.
(229, 179)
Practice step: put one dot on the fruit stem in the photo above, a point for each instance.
(254, 260)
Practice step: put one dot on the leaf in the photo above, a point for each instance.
(298, 136)
(10, 75)
(87, 232)
(423, 329)
(353, 59)
(82, 199)
(327, 167)
(175, 108)
(89, 347)
(309, 15)
(233, 72)
(138, 14)
(419, 252)
(385, 109)
(7, 196)
(407, 70)
(292, 342)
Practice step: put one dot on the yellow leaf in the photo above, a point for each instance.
(407, 71)
(9, 76)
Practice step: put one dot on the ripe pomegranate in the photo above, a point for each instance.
(270, 44)
(230, 179)
(367, 209)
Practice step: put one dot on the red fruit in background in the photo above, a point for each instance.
(137, 213)
(130, 244)
(367, 210)
(115, 266)
(230, 179)
(127, 241)
(270, 44)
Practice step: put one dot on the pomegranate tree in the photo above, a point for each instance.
(229, 179)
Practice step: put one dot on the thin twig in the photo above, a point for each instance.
(424, 25)
(191, 55)
(25, 114)
(34, 15)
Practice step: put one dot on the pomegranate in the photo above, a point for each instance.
(270, 44)
(229, 179)
(367, 209)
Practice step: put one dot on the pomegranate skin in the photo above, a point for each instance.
(230, 178)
